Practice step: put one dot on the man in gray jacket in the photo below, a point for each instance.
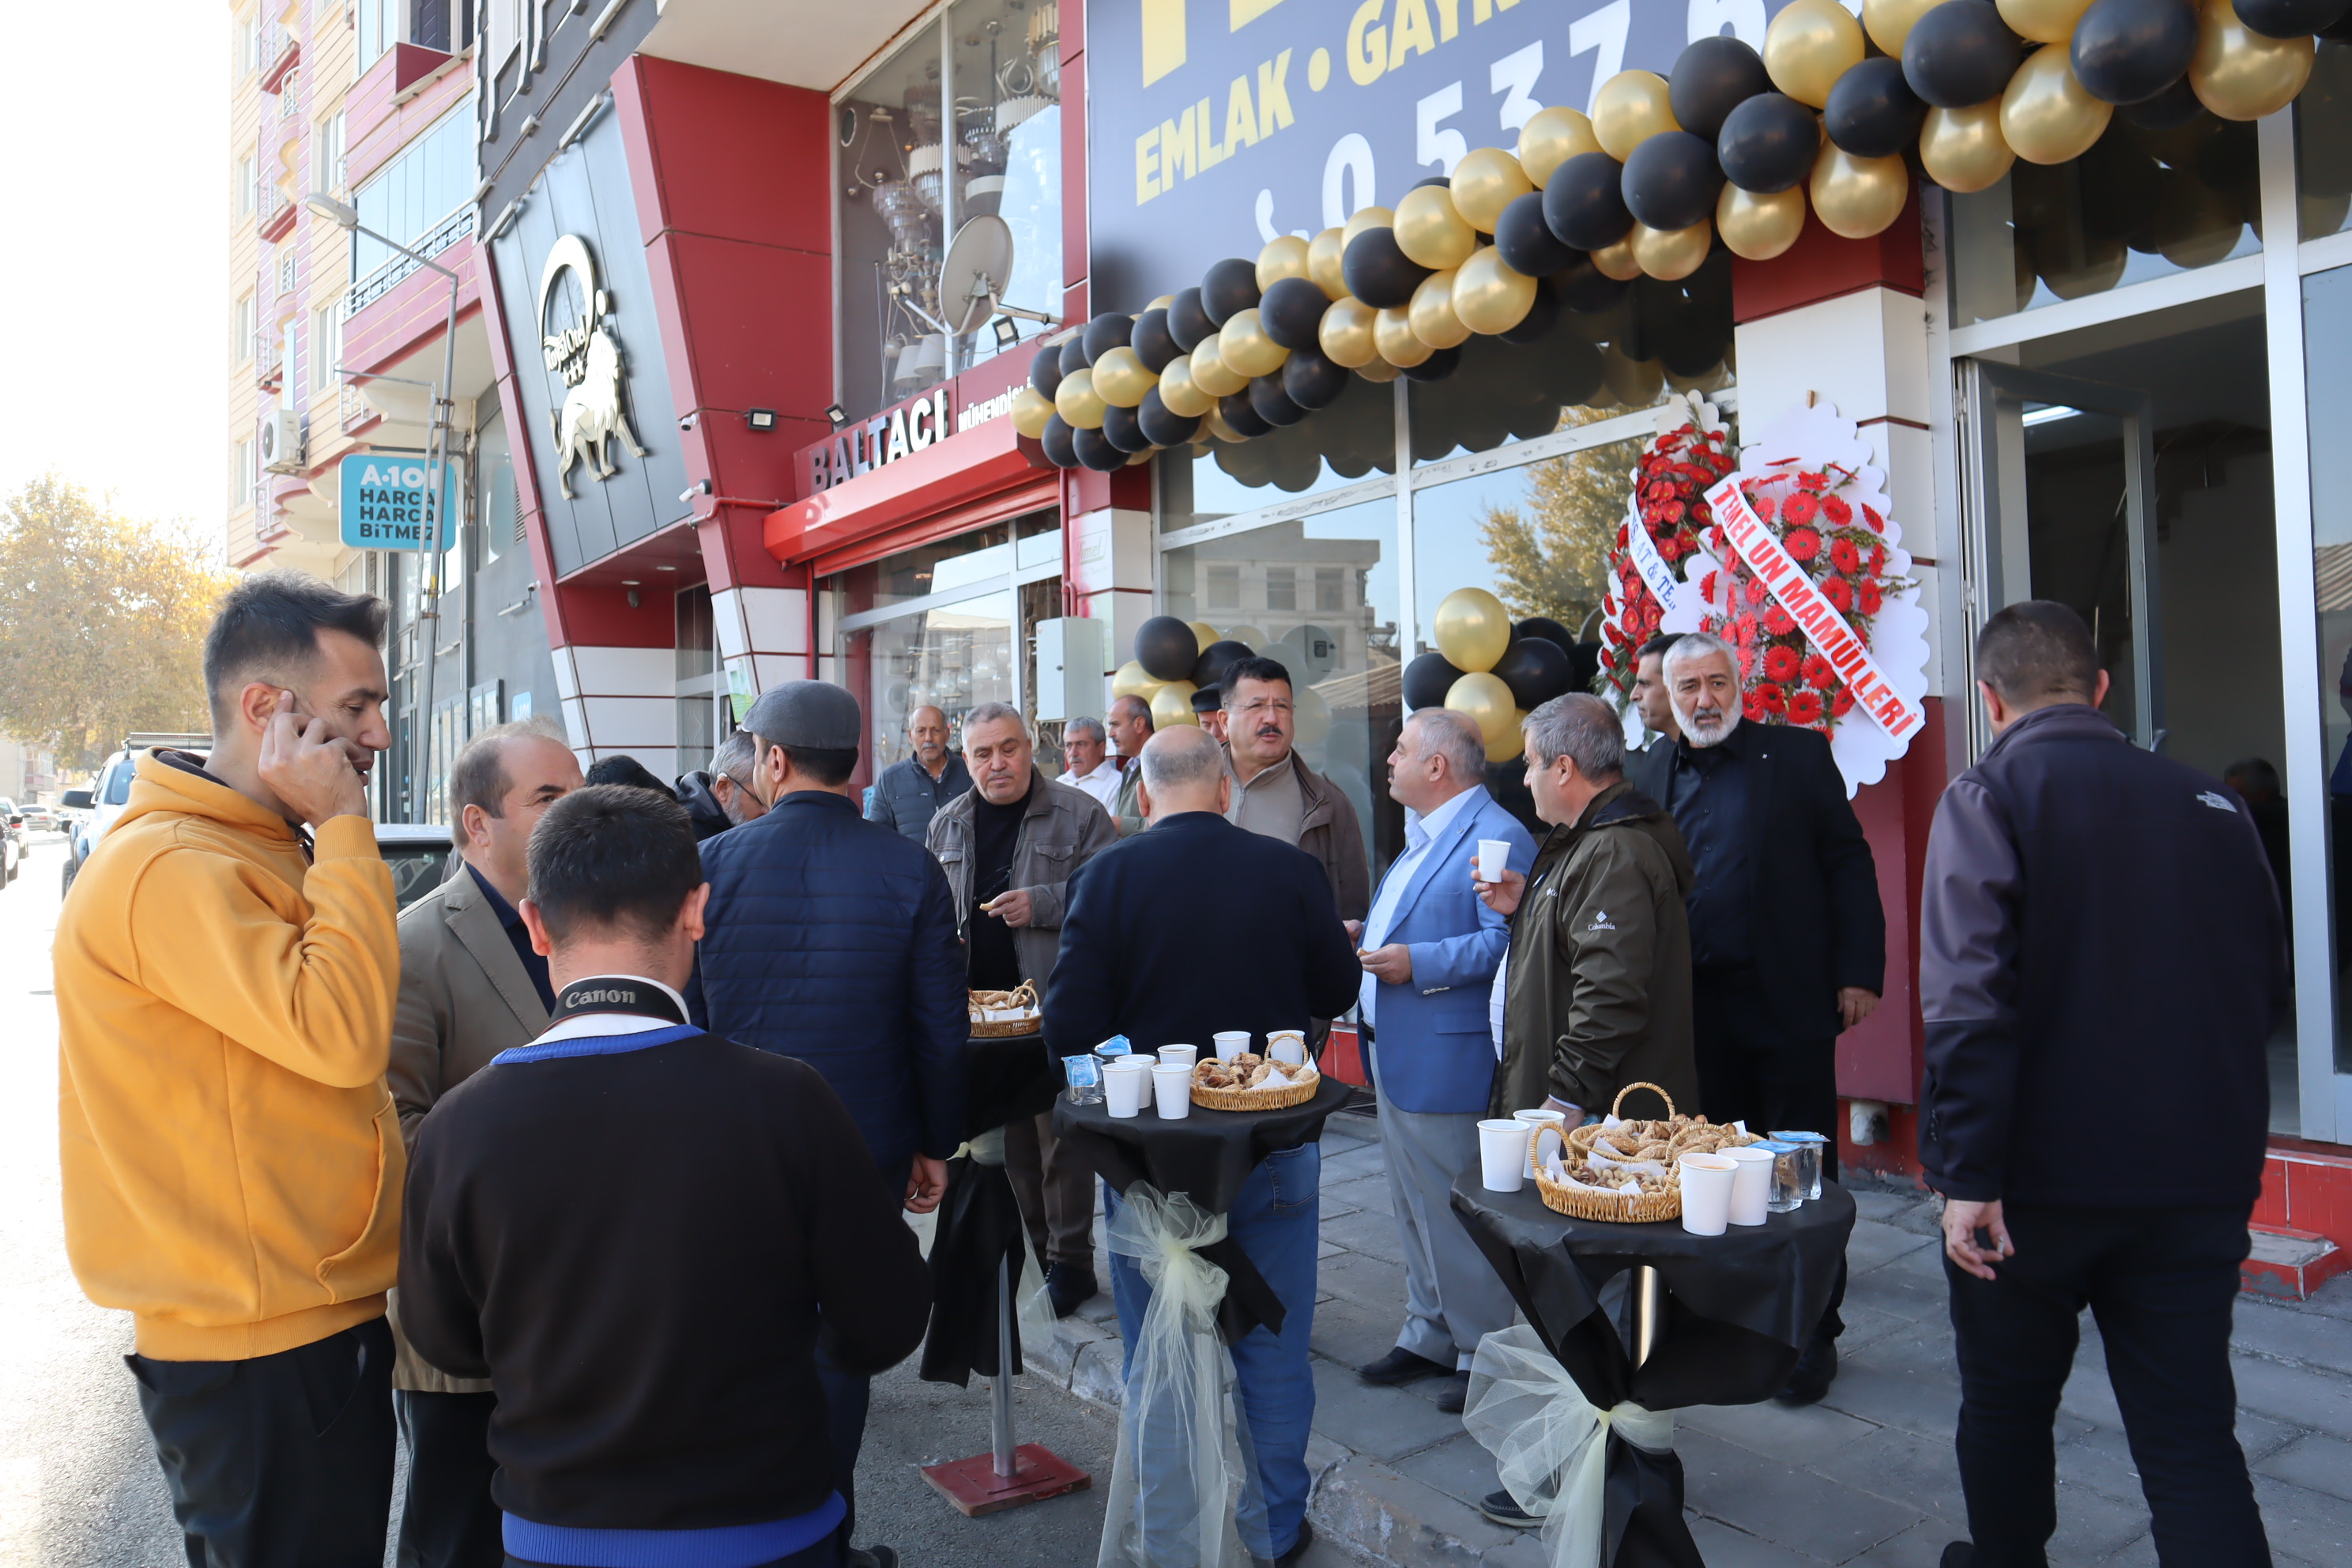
(1277, 794)
(1009, 845)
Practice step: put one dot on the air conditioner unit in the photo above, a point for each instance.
(281, 440)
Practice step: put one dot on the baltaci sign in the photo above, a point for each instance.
(387, 500)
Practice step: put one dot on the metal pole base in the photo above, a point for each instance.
(1008, 1475)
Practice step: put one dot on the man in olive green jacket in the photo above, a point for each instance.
(1599, 988)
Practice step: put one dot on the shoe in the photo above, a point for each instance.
(1815, 1370)
(1454, 1395)
(871, 1557)
(1401, 1366)
(1958, 1554)
(1298, 1548)
(1068, 1286)
(1504, 1509)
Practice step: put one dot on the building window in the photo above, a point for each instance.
(240, 330)
(327, 153)
(432, 179)
(377, 25)
(1282, 588)
(247, 47)
(240, 474)
(326, 346)
(247, 185)
(1329, 587)
(289, 98)
(1225, 587)
(289, 267)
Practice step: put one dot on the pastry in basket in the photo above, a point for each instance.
(1014, 1012)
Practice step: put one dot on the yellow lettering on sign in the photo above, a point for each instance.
(1164, 38)
(1410, 32)
(1449, 19)
(1244, 12)
(1367, 45)
(1210, 153)
(1274, 95)
(1147, 166)
(1176, 150)
(1241, 117)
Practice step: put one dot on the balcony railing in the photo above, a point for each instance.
(280, 49)
(273, 209)
(388, 275)
(269, 360)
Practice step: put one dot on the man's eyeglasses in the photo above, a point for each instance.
(1267, 705)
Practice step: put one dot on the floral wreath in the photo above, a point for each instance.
(1690, 454)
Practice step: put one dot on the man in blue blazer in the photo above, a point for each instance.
(1430, 950)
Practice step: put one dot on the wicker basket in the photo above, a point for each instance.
(1001, 1028)
(1300, 1091)
(1577, 1205)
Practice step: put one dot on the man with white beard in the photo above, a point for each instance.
(1787, 938)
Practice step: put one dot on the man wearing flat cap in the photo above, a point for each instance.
(832, 939)
(1209, 709)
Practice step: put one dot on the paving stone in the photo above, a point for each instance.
(2323, 1464)
(1900, 1291)
(2301, 1522)
(2289, 1333)
(1367, 1232)
(1775, 1429)
(1723, 1547)
(1367, 1502)
(2093, 1527)
(2139, 1554)
(1366, 1280)
(1903, 1468)
(2099, 1458)
(1788, 1507)
(1353, 1335)
(1458, 1467)
(1525, 1550)
(1383, 1423)
(1364, 1160)
(1921, 1546)
(1324, 1249)
(2296, 1395)
(1367, 1192)
(1927, 1406)
(1866, 1326)
(1883, 1203)
(1872, 1244)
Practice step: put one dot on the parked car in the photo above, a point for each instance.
(39, 819)
(420, 855)
(109, 791)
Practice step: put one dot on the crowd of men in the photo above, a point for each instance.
(626, 1108)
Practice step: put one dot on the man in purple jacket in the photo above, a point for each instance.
(2101, 947)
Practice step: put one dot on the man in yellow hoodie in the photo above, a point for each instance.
(232, 1159)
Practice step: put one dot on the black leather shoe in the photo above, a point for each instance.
(1815, 1370)
(1401, 1366)
(1958, 1554)
(1454, 1395)
(1298, 1548)
(1504, 1509)
(1068, 1288)
(872, 1557)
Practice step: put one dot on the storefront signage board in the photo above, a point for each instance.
(1215, 125)
(386, 501)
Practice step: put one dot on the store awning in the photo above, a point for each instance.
(969, 479)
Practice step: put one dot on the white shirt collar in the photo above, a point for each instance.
(1073, 775)
(586, 1024)
(1434, 823)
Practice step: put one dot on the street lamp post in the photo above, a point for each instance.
(343, 214)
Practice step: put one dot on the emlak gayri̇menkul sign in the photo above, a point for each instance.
(387, 502)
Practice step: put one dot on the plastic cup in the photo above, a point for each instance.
(1231, 1043)
(1503, 1149)
(1180, 1056)
(1085, 1075)
(1532, 1120)
(1110, 1051)
(1125, 1087)
(1494, 857)
(1171, 1087)
(1751, 1185)
(1288, 1046)
(1809, 1160)
(1706, 1180)
(1788, 1194)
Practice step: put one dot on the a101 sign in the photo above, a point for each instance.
(387, 500)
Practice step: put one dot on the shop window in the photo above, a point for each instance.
(494, 490)
(1352, 440)
(2327, 326)
(2323, 143)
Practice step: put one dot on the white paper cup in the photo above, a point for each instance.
(1751, 1185)
(1532, 1119)
(1493, 857)
(1231, 1043)
(1180, 1056)
(1503, 1154)
(1288, 1046)
(1706, 1180)
(1124, 1087)
(1171, 1087)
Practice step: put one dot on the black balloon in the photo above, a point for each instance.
(1426, 681)
(1571, 370)
(1095, 450)
(1526, 242)
(1074, 355)
(1436, 367)
(1961, 53)
(2129, 51)
(1153, 343)
(1583, 665)
(1105, 332)
(2176, 105)
(1872, 112)
(1209, 670)
(1045, 370)
(1292, 312)
(1271, 404)
(1672, 179)
(1535, 668)
(2290, 18)
(1584, 201)
(1586, 290)
(1378, 272)
(1767, 143)
(1310, 380)
(1543, 315)
(1166, 648)
(1188, 323)
(1544, 627)
(1245, 419)
(1712, 78)
(1123, 428)
(1056, 443)
(1229, 288)
(1163, 427)
(1438, 180)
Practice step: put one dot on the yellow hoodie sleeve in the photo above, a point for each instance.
(216, 938)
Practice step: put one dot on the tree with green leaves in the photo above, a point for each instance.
(1550, 552)
(102, 621)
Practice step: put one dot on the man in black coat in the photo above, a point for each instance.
(1787, 938)
(2098, 928)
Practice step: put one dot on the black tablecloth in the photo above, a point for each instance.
(1208, 1154)
(980, 1218)
(1006, 1079)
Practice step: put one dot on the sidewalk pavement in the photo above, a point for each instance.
(1865, 1477)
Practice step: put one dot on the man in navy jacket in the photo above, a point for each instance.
(833, 939)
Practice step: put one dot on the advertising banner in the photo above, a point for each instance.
(387, 500)
(1215, 125)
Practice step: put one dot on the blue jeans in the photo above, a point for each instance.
(1277, 1221)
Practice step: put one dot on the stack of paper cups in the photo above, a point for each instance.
(1126, 1082)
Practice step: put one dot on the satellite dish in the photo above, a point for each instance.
(977, 265)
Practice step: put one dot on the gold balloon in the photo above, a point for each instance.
(1172, 704)
(2196, 225)
(1672, 254)
(1379, 369)
(2043, 21)
(1485, 701)
(1285, 255)
(2046, 116)
(1133, 680)
(1489, 296)
(1323, 262)
(1618, 260)
(1809, 45)
(1430, 231)
(2075, 264)
(1216, 426)
(1203, 632)
(1180, 393)
(1077, 402)
(1888, 22)
(1243, 344)
(1857, 197)
(1249, 637)
(1486, 180)
(1713, 379)
(1392, 332)
(1120, 378)
(1471, 630)
(1758, 228)
(1031, 409)
(2238, 74)
(1513, 741)
(1630, 108)
(1211, 374)
(1632, 382)
(1364, 218)
(1550, 138)
(1162, 303)
(1346, 335)
(1962, 149)
(1431, 314)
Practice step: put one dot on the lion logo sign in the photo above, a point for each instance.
(588, 357)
